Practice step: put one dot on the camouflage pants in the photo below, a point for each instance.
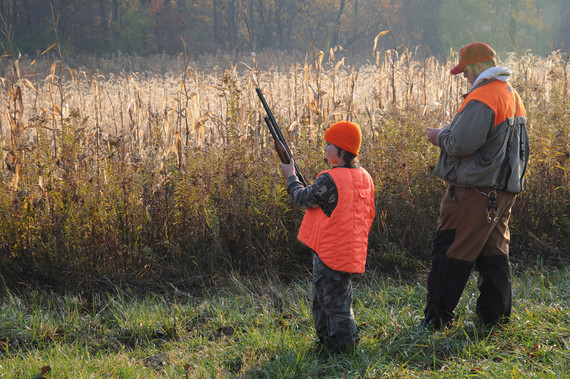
(332, 306)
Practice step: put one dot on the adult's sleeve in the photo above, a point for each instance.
(469, 130)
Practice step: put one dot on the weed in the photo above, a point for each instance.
(263, 328)
(171, 177)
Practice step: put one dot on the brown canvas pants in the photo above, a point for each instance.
(465, 239)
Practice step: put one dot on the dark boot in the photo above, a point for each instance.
(495, 300)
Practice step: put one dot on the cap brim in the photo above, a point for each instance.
(457, 69)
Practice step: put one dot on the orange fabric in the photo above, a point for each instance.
(346, 135)
(341, 241)
(499, 96)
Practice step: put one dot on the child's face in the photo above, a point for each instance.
(332, 154)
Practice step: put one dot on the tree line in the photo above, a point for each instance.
(206, 26)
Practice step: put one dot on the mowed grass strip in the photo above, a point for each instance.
(260, 329)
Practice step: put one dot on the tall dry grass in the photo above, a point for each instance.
(172, 176)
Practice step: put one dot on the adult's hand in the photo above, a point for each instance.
(432, 134)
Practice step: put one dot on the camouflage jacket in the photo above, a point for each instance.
(322, 193)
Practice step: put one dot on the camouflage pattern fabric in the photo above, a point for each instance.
(322, 193)
(332, 306)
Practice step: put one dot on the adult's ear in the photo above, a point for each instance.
(480, 68)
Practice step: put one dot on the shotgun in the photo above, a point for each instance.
(278, 139)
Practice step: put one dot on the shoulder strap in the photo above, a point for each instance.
(512, 125)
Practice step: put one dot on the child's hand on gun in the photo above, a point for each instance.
(287, 169)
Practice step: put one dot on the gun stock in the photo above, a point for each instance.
(279, 148)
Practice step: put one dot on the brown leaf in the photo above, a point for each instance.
(376, 39)
(49, 48)
(45, 370)
(29, 84)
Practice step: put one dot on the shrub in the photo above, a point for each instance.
(173, 177)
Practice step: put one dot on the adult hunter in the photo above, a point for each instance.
(483, 158)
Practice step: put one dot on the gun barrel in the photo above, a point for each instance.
(278, 137)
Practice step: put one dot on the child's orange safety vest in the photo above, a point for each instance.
(341, 240)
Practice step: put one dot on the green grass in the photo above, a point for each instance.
(262, 329)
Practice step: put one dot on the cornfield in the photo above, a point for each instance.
(171, 176)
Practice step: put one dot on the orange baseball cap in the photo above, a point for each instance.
(473, 53)
(346, 135)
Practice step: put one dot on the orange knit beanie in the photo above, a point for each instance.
(346, 135)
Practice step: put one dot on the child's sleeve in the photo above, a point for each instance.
(322, 193)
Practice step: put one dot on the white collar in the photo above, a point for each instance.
(500, 73)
